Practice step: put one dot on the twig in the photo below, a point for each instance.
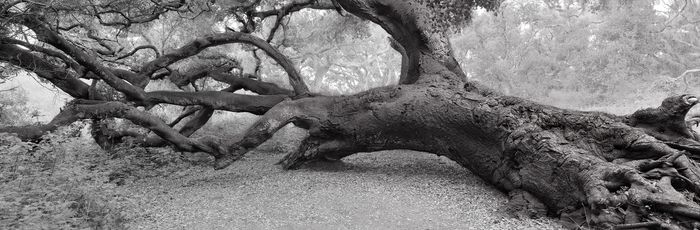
(637, 225)
(685, 79)
(8, 90)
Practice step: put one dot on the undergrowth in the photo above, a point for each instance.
(52, 185)
(66, 181)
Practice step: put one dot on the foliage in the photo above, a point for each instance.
(578, 58)
(457, 13)
(66, 181)
(340, 55)
(13, 101)
(51, 184)
(14, 109)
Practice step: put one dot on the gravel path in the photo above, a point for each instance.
(384, 190)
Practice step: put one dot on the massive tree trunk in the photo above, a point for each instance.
(570, 160)
(590, 168)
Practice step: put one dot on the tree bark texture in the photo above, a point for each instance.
(589, 168)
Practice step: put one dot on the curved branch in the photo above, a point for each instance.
(405, 62)
(126, 75)
(276, 26)
(684, 75)
(54, 74)
(417, 26)
(9, 90)
(202, 43)
(151, 47)
(201, 117)
(69, 61)
(187, 113)
(108, 49)
(255, 104)
(259, 87)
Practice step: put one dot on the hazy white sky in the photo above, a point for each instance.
(44, 98)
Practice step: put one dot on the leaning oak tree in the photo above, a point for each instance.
(589, 168)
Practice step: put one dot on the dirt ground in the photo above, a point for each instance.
(385, 190)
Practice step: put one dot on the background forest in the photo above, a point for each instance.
(587, 55)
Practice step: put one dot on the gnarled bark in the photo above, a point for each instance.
(590, 168)
(569, 160)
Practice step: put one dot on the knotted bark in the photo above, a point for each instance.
(589, 168)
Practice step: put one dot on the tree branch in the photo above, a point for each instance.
(9, 90)
(201, 117)
(99, 110)
(259, 87)
(56, 75)
(403, 77)
(417, 26)
(151, 47)
(294, 7)
(194, 74)
(188, 112)
(35, 132)
(49, 36)
(69, 61)
(255, 104)
(202, 43)
(685, 78)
